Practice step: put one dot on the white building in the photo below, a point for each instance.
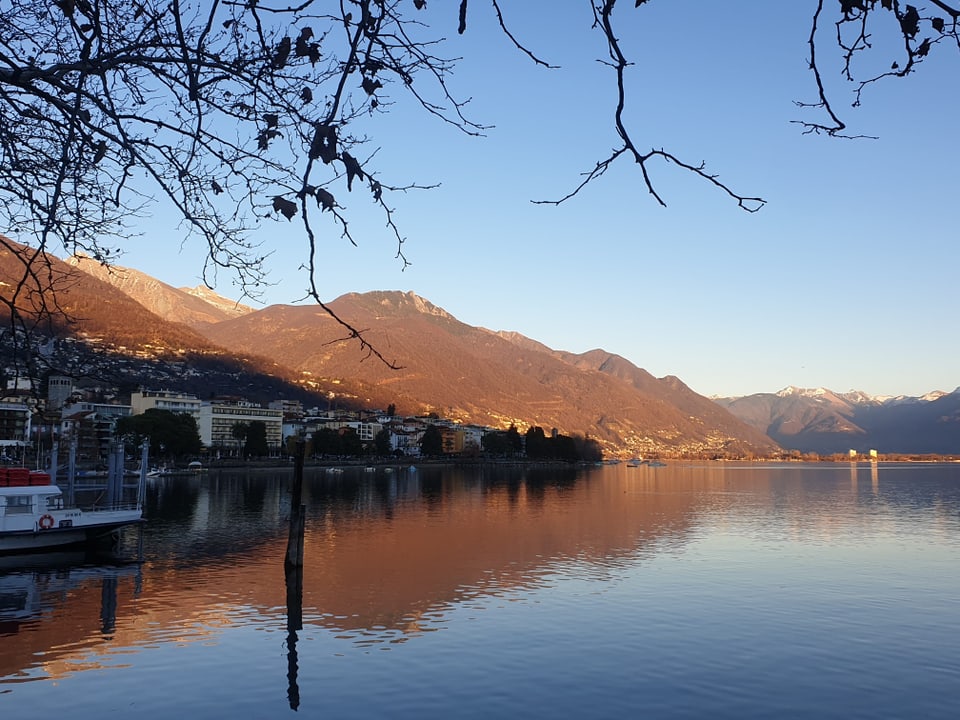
(175, 402)
(367, 431)
(473, 436)
(107, 410)
(217, 420)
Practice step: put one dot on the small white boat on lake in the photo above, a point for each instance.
(33, 515)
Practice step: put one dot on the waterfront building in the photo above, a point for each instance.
(176, 402)
(217, 420)
(453, 440)
(291, 409)
(90, 426)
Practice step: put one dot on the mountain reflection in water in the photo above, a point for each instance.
(394, 555)
(386, 554)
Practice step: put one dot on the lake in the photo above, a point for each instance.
(686, 591)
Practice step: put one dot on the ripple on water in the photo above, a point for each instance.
(701, 592)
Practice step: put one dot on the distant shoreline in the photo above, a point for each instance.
(277, 463)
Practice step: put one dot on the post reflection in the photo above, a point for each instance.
(108, 605)
(294, 586)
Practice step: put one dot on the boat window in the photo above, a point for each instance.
(19, 504)
(54, 502)
(14, 601)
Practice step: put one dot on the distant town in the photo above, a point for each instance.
(180, 427)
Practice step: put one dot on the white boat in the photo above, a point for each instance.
(33, 517)
(165, 471)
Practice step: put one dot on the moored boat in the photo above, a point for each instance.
(165, 471)
(33, 515)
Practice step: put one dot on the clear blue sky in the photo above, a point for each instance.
(847, 279)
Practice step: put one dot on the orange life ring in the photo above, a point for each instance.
(46, 522)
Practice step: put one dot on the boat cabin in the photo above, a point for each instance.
(33, 514)
(18, 501)
(26, 494)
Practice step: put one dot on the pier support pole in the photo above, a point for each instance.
(72, 471)
(54, 454)
(142, 478)
(115, 463)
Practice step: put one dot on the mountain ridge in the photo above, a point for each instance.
(194, 307)
(97, 332)
(822, 421)
(477, 375)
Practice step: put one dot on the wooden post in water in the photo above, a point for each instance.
(298, 513)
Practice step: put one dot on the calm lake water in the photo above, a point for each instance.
(686, 591)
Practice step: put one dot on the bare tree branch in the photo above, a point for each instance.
(855, 30)
(239, 114)
(603, 20)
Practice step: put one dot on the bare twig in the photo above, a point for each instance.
(603, 20)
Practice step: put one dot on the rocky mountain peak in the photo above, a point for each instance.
(232, 308)
(193, 307)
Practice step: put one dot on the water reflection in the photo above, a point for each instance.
(53, 606)
(294, 585)
(387, 551)
(393, 556)
(393, 553)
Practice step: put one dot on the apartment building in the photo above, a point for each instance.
(216, 422)
(176, 402)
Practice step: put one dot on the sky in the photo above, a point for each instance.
(846, 279)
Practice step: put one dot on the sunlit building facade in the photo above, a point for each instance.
(217, 421)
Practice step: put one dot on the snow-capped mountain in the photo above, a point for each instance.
(823, 421)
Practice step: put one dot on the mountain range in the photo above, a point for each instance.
(825, 422)
(466, 373)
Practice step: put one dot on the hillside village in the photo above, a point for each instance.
(67, 415)
(124, 331)
(36, 416)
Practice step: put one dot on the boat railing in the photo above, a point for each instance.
(101, 506)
